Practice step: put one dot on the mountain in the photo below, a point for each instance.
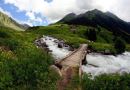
(97, 18)
(25, 26)
(7, 21)
(68, 17)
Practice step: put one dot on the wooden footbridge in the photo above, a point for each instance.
(70, 66)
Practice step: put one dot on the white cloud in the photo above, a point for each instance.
(30, 15)
(57, 9)
(33, 17)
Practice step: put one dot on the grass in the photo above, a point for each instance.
(74, 38)
(22, 65)
(106, 82)
(61, 32)
(128, 47)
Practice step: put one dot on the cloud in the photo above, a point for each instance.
(54, 10)
(122, 9)
(30, 15)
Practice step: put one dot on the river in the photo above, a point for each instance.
(105, 64)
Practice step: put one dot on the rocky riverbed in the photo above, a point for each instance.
(56, 47)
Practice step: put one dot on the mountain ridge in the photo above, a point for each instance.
(7, 21)
(98, 18)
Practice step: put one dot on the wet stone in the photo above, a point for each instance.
(60, 45)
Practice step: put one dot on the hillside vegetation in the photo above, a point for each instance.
(96, 18)
(22, 65)
(7, 21)
(78, 34)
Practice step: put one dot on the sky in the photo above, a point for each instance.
(44, 12)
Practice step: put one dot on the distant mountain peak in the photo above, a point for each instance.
(68, 17)
(98, 18)
(72, 14)
(96, 11)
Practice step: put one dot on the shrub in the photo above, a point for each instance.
(92, 35)
(119, 45)
(106, 82)
(3, 34)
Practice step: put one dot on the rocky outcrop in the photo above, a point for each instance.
(56, 69)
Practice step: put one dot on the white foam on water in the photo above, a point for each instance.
(107, 64)
(57, 53)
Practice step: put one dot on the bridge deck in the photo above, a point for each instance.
(71, 66)
(74, 59)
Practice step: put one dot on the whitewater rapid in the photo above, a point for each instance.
(57, 53)
(105, 64)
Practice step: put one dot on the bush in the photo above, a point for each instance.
(29, 70)
(3, 35)
(119, 46)
(106, 82)
(92, 35)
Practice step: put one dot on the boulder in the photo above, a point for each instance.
(71, 49)
(107, 52)
(67, 47)
(38, 42)
(55, 69)
(44, 45)
(60, 45)
(56, 41)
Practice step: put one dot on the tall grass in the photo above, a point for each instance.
(22, 65)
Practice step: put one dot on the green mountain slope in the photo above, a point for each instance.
(7, 21)
(96, 18)
(68, 17)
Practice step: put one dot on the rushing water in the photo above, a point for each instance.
(57, 53)
(107, 64)
(104, 63)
